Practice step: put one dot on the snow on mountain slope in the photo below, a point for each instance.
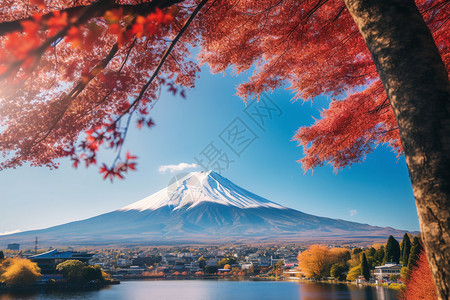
(199, 187)
(202, 207)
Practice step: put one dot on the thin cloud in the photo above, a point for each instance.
(10, 232)
(353, 212)
(176, 168)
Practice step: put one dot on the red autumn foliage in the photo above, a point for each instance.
(85, 56)
(67, 67)
(420, 285)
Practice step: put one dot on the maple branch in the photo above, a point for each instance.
(100, 9)
(266, 10)
(163, 59)
(386, 131)
(437, 5)
(339, 13)
(442, 24)
(68, 99)
(88, 13)
(123, 141)
(305, 19)
(127, 56)
(77, 90)
(380, 107)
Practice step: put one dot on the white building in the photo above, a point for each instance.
(383, 272)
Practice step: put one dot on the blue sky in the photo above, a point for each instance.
(377, 192)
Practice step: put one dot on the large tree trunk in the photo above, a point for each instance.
(417, 85)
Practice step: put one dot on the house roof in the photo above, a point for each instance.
(64, 255)
(389, 265)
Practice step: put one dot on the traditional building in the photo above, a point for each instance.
(49, 260)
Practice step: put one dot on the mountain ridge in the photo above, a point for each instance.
(204, 208)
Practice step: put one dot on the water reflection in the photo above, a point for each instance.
(216, 290)
(323, 291)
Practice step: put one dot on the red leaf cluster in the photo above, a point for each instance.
(420, 285)
(118, 170)
(315, 47)
(65, 71)
(54, 90)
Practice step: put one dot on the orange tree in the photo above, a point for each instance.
(420, 285)
(73, 73)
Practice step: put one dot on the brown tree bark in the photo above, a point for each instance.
(417, 85)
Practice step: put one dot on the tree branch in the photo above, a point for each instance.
(163, 59)
(100, 8)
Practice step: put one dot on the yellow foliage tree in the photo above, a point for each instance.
(340, 255)
(354, 273)
(20, 272)
(316, 262)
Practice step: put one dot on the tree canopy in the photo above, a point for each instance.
(392, 250)
(74, 72)
(365, 270)
(406, 249)
(416, 249)
(317, 260)
(77, 271)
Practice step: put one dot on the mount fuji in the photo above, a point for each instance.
(202, 207)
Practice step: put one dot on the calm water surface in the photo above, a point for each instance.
(219, 290)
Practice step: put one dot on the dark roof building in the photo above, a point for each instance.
(13, 246)
(49, 260)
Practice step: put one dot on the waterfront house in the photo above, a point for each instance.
(383, 272)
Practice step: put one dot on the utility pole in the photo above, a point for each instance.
(35, 246)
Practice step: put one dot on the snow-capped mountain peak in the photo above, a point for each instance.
(202, 207)
(200, 187)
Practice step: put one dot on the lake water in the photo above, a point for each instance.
(219, 290)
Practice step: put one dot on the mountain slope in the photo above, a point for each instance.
(202, 207)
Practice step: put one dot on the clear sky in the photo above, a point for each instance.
(377, 192)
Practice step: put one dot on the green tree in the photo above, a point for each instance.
(72, 270)
(210, 269)
(337, 271)
(406, 249)
(365, 270)
(379, 255)
(392, 251)
(415, 251)
(78, 272)
(91, 273)
(2, 256)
